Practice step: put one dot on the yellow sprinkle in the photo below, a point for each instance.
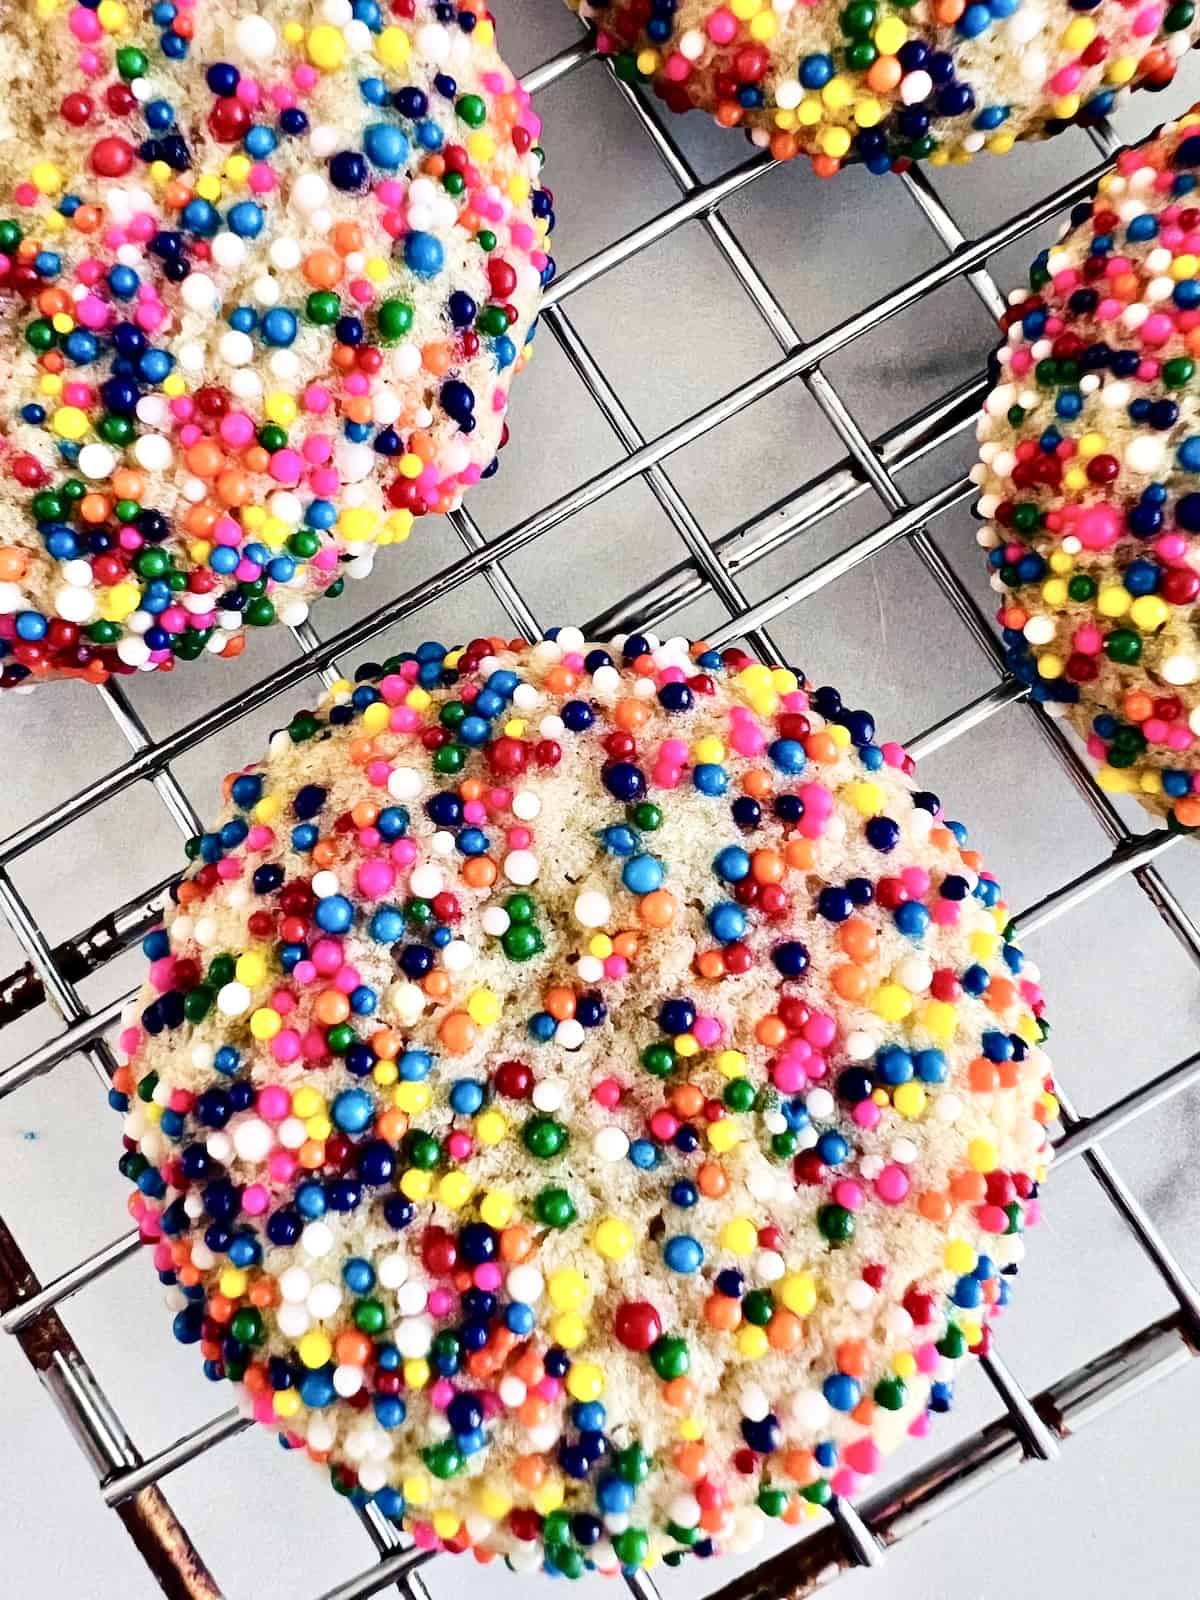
(1075, 479)
(314, 1349)
(483, 1007)
(1062, 563)
(909, 1100)
(763, 27)
(1080, 34)
(865, 797)
(983, 1155)
(798, 1291)
(307, 1102)
(904, 1364)
(326, 47)
(250, 968)
(46, 178)
(549, 1497)
(173, 385)
(1091, 444)
(839, 734)
(318, 1128)
(287, 1402)
(939, 1019)
(112, 16)
(708, 750)
(384, 1073)
(892, 1002)
(233, 1283)
(613, 1239)
(237, 169)
(376, 269)
(268, 808)
(208, 187)
(585, 1381)
(494, 1501)
(416, 1184)
(1148, 612)
(837, 93)
(731, 1064)
(1051, 666)
(723, 1135)
(69, 422)
(1116, 780)
(418, 700)
(490, 1127)
(739, 1236)
(357, 522)
(1184, 267)
(416, 1489)
(691, 1428)
(393, 47)
(455, 1189)
(117, 602)
(445, 1524)
(868, 113)
(567, 1289)
(265, 1023)
(496, 1208)
(686, 1044)
(416, 1372)
(835, 142)
(568, 1329)
(481, 147)
(808, 112)
(50, 383)
(410, 465)
(1054, 592)
(281, 408)
(600, 946)
(984, 945)
(960, 1257)
(890, 35)
(752, 1341)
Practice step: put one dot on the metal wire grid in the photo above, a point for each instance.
(1032, 1427)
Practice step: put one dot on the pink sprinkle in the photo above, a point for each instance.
(326, 483)
(487, 1276)
(892, 1184)
(255, 1199)
(286, 466)
(327, 956)
(606, 1093)
(707, 1031)
(404, 852)
(849, 1192)
(85, 25)
(866, 1114)
(285, 1046)
(317, 398)
(236, 429)
(460, 1144)
(347, 979)
(441, 1302)
(615, 967)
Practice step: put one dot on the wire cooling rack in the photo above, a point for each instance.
(1031, 1427)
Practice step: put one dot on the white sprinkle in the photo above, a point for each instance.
(317, 1240)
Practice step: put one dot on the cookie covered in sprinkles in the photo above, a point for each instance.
(891, 83)
(1090, 472)
(586, 1097)
(266, 275)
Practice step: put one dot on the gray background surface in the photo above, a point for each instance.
(672, 331)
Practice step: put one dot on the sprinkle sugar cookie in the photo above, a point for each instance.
(1090, 472)
(889, 83)
(586, 1098)
(265, 277)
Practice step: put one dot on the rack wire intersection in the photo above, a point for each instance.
(1032, 1428)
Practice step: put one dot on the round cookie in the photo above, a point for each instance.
(1090, 472)
(265, 278)
(887, 84)
(586, 1097)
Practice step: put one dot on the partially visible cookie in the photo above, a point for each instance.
(586, 1097)
(1090, 476)
(265, 278)
(891, 83)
